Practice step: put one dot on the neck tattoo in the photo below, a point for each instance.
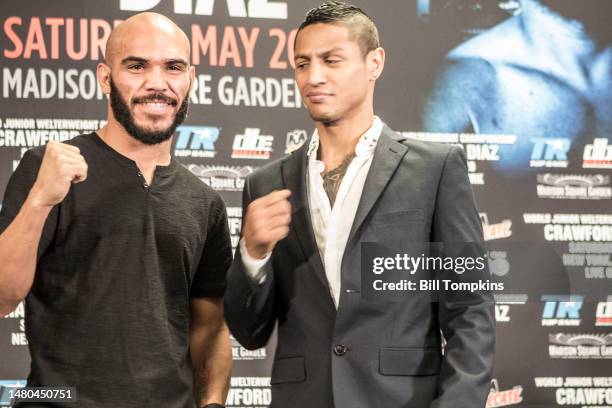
(333, 178)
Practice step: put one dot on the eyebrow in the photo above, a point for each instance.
(179, 61)
(132, 59)
(323, 54)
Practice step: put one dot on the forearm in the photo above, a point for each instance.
(18, 253)
(249, 306)
(211, 353)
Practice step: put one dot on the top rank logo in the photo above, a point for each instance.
(549, 152)
(597, 155)
(252, 145)
(196, 141)
(504, 398)
(561, 310)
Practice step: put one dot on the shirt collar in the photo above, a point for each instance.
(365, 145)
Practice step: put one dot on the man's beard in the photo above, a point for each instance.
(122, 113)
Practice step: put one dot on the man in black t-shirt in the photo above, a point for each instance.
(120, 252)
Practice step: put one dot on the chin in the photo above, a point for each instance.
(322, 116)
(155, 126)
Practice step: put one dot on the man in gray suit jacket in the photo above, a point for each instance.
(305, 219)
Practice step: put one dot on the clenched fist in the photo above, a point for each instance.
(62, 165)
(267, 222)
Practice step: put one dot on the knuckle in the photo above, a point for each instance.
(70, 148)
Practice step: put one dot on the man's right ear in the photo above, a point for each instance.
(104, 77)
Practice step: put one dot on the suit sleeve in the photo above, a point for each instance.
(249, 306)
(466, 318)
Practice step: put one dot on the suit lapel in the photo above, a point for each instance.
(294, 170)
(387, 156)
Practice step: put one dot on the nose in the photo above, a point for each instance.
(155, 80)
(316, 74)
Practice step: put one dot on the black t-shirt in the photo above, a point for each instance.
(118, 262)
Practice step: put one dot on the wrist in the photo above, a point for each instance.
(253, 252)
(35, 201)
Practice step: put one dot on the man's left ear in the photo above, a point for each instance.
(376, 63)
(191, 77)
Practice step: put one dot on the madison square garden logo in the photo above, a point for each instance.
(580, 345)
(222, 178)
(574, 186)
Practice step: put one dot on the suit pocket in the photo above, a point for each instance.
(398, 217)
(410, 361)
(289, 369)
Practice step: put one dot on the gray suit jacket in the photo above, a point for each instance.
(369, 354)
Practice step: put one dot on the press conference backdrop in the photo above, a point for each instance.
(526, 95)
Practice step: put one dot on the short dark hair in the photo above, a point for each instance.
(360, 25)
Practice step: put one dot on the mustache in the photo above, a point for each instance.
(155, 97)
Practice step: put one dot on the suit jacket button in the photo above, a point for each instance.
(340, 349)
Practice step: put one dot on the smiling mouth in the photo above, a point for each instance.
(156, 101)
(156, 105)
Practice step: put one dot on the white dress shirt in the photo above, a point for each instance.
(331, 225)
